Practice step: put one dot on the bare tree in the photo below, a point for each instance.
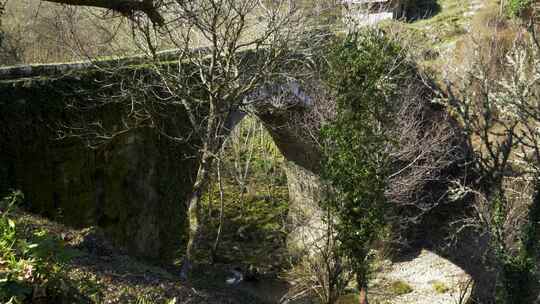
(323, 270)
(497, 104)
(225, 52)
(245, 44)
(501, 116)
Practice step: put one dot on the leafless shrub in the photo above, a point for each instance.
(322, 271)
(426, 157)
(500, 121)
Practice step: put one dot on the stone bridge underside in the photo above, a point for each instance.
(134, 186)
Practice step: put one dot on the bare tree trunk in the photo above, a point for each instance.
(213, 141)
(221, 215)
(194, 213)
(362, 286)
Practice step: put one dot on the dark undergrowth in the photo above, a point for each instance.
(44, 262)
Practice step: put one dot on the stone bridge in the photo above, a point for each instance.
(135, 186)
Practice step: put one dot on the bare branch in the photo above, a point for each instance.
(125, 7)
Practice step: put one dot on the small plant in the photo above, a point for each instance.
(143, 299)
(440, 287)
(517, 8)
(401, 287)
(30, 263)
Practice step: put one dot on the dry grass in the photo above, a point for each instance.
(433, 39)
(491, 37)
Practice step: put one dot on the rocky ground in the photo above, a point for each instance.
(425, 279)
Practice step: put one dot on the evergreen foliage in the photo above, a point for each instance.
(364, 72)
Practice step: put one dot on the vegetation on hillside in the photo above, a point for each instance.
(32, 260)
(517, 8)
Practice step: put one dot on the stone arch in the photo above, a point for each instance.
(136, 207)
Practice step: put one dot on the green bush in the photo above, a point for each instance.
(27, 262)
(516, 8)
(365, 70)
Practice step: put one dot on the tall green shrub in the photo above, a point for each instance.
(364, 72)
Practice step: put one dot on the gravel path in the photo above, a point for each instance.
(422, 275)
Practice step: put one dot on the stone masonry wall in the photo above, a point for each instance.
(133, 187)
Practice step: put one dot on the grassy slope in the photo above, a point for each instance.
(446, 26)
(432, 40)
